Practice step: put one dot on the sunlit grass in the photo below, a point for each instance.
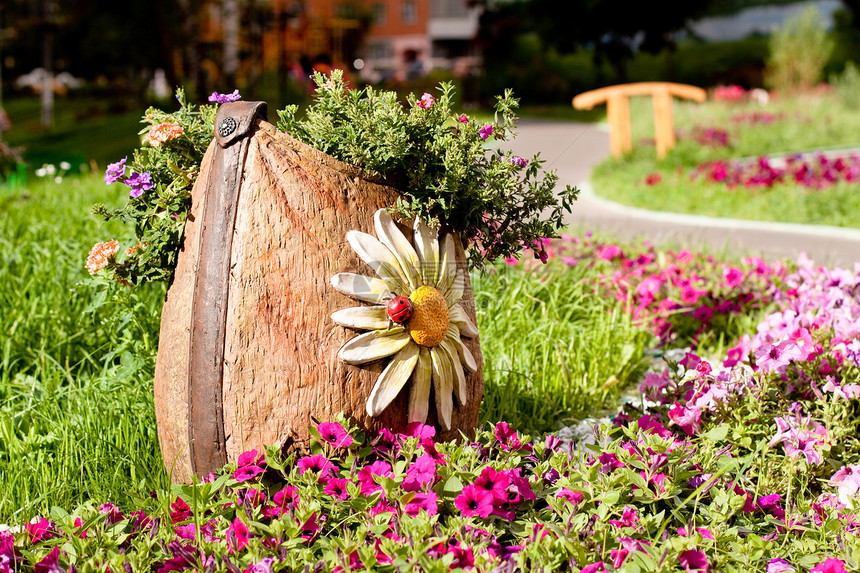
(554, 352)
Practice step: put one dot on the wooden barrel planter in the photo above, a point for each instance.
(248, 350)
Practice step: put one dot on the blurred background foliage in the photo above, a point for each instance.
(547, 51)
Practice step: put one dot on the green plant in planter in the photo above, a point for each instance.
(441, 162)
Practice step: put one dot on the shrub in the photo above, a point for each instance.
(798, 53)
(847, 85)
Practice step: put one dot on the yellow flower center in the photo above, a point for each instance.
(429, 323)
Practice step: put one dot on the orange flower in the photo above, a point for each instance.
(162, 132)
(133, 249)
(100, 256)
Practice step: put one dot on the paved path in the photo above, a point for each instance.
(573, 149)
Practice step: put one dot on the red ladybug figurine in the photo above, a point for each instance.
(400, 309)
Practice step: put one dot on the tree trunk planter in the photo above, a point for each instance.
(248, 351)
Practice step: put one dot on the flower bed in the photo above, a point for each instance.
(681, 297)
(749, 461)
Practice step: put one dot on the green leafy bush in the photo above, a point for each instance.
(438, 161)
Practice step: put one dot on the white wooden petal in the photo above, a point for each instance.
(443, 382)
(427, 248)
(460, 390)
(390, 236)
(447, 264)
(373, 345)
(454, 293)
(368, 289)
(392, 379)
(379, 258)
(459, 317)
(364, 317)
(465, 354)
(419, 391)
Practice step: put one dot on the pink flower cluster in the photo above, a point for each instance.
(730, 93)
(711, 136)
(756, 117)
(676, 294)
(818, 173)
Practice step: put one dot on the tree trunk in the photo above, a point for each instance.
(280, 364)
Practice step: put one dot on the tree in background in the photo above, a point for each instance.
(534, 36)
(798, 53)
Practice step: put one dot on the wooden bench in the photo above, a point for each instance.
(618, 111)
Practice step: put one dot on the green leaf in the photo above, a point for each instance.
(717, 433)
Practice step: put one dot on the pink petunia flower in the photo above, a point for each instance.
(847, 481)
(426, 101)
(829, 565)
(732, 277)
(594, 568)
(474, 501)
(688, 419)
(629, 518)
(237, 536)
(779, 566)
(493, 482)
(692, 560)
(486, 131)
(422, 501)
(336, 487)
(365, 476)
(334, 434)
(180, 511)
(421, 473)
(317, 463)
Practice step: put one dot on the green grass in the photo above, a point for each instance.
(76, 414)
(85, 129)
(807, 124)
(553, 351)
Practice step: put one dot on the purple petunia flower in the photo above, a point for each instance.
(115, 171)
(518, 161)
(138, 183)
(486, 131)
(225, 98)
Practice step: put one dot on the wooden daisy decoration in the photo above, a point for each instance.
(417, 319)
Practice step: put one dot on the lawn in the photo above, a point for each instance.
(715, 169)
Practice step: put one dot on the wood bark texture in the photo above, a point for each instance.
(281, 370)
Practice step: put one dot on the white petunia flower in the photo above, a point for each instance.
(422, 333)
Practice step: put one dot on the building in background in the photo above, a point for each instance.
(376, 39)
(408, 38)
